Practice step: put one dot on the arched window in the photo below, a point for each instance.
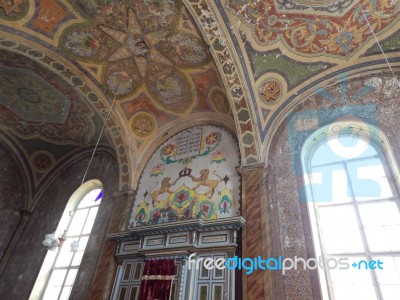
(353, 204)
(61, 264)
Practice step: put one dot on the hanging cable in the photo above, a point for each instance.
(101, 133)
(380, 47)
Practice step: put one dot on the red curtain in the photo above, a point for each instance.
(157, 279)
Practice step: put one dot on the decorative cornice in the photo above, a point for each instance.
(251, 167)
(179, 226)
(129, 193)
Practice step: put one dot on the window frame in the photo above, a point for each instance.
(49, 264)
(379, 141)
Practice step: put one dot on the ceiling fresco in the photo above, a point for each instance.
(13, 9)
(35, 102)
(243, 63)
(23, 89)
(291, 47)
(143, 46)
(316, 28)
(42, 114)
(148, 55)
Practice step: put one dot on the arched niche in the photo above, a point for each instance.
(190, 176)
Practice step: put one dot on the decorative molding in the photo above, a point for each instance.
(128, 193)
(200, 225)
(251, 167)
(226, 61)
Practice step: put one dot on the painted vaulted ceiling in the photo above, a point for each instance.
(150, 68)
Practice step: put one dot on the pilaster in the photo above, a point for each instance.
(256, 236)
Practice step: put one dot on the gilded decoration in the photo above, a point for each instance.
(336, 28)
(143, 125)
(270, 91)
(11, 6)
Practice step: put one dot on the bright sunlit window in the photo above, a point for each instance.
(355, 219)
(61, 265)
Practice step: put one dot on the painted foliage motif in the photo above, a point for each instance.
(139, 43)
(190, 176)
(339, 30)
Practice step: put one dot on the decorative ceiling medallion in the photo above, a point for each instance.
(42, 160)
(219, 101)
(142, 48)
(270, 91)
(11, 6)
(340, 30)
(137, 45)
(143, 125)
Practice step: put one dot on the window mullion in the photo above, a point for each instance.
(363, 237)
(62, 251)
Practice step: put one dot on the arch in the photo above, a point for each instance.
(353, 205)
(322, 88)
(21, 269)
(369, 133)
(60, 267)
(87, 88)
(203, 174)
(174, 128)
(232, 76)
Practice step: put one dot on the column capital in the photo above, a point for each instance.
(120, 194)
(24, 212)
(255, 167)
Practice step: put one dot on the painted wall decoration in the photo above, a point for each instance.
(13, 9)
(143, 125)
(139, 44)
(49, 16)
(42, 160)
(270, 90)
(31, 97)
(192, 175)
(339, 30)
(12, 196)
(36, 102)
(219, 101)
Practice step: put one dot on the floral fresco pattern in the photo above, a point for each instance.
(139, 44)
(338, 35)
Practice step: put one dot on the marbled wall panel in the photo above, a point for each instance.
(291, 229)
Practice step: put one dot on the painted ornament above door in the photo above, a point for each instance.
(191, 176)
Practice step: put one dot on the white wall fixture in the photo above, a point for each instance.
(74, 246)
